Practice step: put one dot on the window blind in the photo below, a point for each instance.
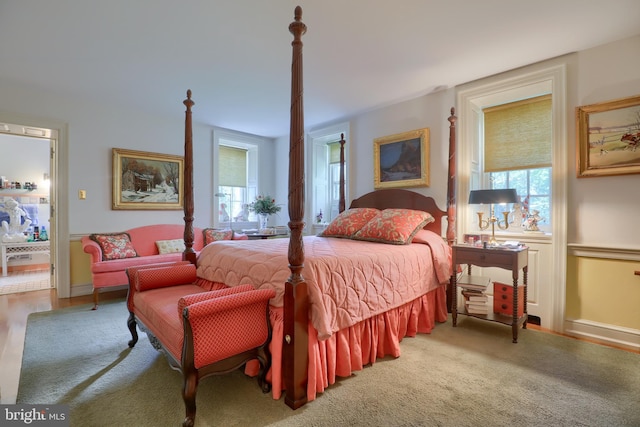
(334, 152)
(233, 166)
(518, 135)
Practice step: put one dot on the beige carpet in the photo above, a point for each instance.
(471, 375)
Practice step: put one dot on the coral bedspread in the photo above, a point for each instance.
(348, 280)
(401, 287)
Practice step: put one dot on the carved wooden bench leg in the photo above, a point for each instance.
(131, 323)
(189, 389)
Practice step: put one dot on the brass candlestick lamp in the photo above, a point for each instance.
(477, 197)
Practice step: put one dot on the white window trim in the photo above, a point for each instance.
(316, 139)
(500, 90)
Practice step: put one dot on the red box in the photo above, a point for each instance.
(503, 299)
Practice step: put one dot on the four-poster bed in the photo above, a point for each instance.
(323, 329)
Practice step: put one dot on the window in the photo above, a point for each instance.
(548, 268)
(235, 183)
(517, 154)
(534, 189)
(325, 171)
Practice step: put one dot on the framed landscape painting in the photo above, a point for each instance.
(144, 180)
(401, 160)
(608, 135)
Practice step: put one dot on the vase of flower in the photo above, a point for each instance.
(264, 206)
(264, 219)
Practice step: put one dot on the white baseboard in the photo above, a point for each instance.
(603, 333)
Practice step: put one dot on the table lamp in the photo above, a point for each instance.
(477, 197)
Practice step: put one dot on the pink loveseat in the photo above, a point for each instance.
(112, 272)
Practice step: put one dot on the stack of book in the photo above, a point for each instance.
(473, 292)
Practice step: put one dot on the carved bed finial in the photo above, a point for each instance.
(188, 102)
(297, 27)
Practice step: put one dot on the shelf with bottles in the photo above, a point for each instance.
(37, 234)
(25, 196)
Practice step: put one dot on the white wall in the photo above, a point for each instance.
(429, 111)
(93, 130)
(598, 205)
(604, 210)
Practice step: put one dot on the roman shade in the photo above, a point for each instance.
(518, 135)
(233, 166)
(334, 152)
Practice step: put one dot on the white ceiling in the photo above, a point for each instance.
(235, 55)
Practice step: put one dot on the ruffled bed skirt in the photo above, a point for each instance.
(350, 349)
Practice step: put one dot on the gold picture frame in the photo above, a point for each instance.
(608, 135)
(401, 160)
(143, 180)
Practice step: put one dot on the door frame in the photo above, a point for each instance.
(56, 132)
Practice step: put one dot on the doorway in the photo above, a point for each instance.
(27, 167)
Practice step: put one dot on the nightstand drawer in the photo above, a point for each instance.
(480, 257)
(503, 299)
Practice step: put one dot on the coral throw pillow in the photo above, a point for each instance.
(349, 222)
(170, 246)
(213, 235)
(115, 246)
(394, 226)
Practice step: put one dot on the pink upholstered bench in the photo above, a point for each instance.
(202, 331)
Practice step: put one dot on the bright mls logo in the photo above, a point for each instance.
(37, 415)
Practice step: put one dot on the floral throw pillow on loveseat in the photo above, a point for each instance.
(214, 234)
(115, 245)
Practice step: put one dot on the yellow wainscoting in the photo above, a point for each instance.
(603, 290)
(80, 264)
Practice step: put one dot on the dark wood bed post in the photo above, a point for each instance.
(451, 183)
(189, 254)
(296, 298)
(341, 203)
(451, 198)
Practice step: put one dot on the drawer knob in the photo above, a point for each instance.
(504, 296)
(504, 306)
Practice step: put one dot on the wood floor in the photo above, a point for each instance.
(14, 310)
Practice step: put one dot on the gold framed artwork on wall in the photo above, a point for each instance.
(608, 135)
(143, 180)
(401, 160)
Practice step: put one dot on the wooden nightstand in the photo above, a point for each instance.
(509, 259)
